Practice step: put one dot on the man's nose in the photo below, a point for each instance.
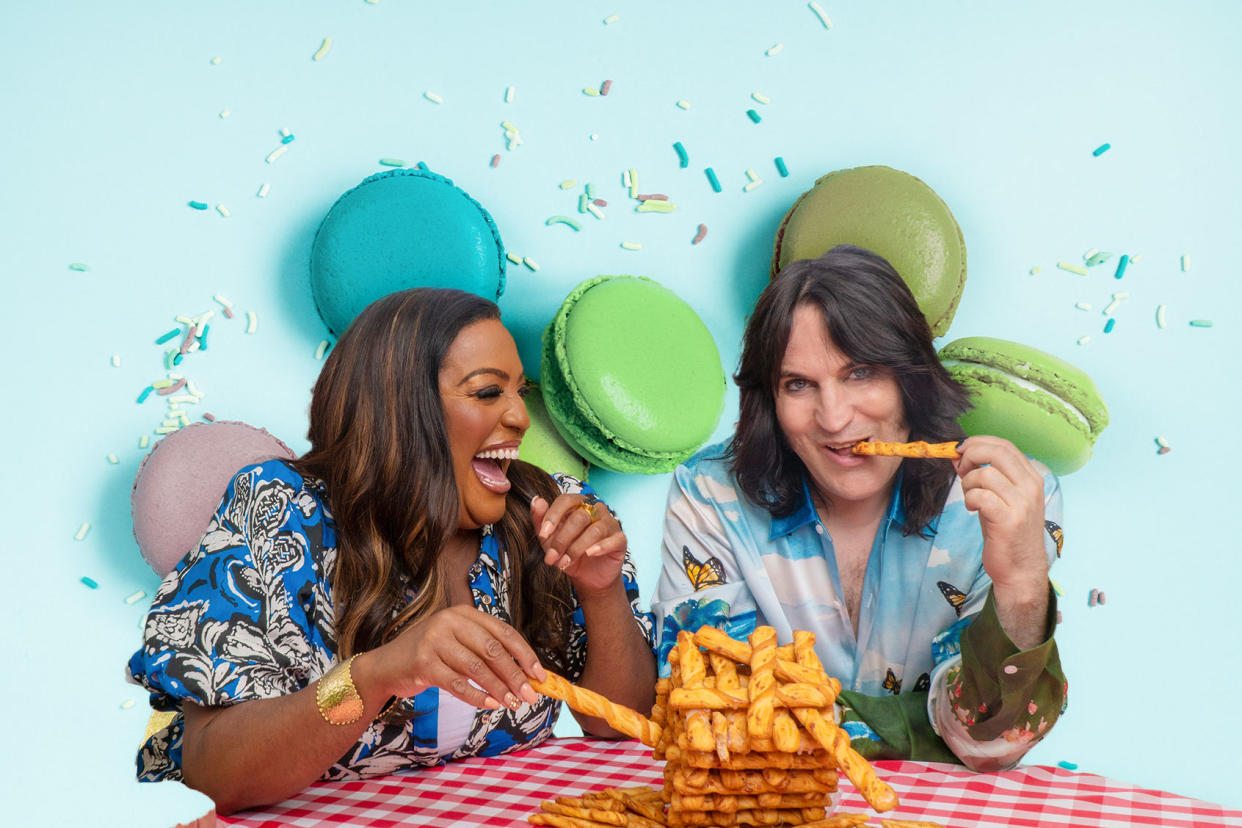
(836, 409)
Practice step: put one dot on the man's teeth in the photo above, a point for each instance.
(499, 454)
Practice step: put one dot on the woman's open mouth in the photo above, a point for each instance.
(489, 466)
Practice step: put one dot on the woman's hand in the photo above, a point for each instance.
(456, 649)
(1007, 491)
(580, 537)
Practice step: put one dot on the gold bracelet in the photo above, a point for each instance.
(336, 696)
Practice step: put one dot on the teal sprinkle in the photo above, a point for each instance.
(1067, 765)
(1108, 326)
(563, 220)
(590, 190)
(170, 335)
(199, 205)
(79, 267)
(1121, 266)
(177, 359)
(286, 139)
(202, 338)
(753, 115)
(711, 177)
(1201, 323)
(683, 158)
(392, 162)
(146, 392)
(422, 166)
(90, 582)
(780, 167)
(1101, 149)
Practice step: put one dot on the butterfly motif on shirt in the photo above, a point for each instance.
(923, 684)
(955, 597)
(891, 683)
(1056, 534)
(702, 574)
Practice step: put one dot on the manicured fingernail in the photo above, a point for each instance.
(490, 703)
(553, 554)
(563, 564)
(546, 529)
(512, 701)
(592, 551)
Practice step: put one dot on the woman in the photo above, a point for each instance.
(381, 602)
(925, 581)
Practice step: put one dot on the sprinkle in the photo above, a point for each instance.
(513, 258)
(168, 336)
(568, 183)
(820, 13)
(712, 179)
(176, 360)
(1109, 325)
(1083, 340)
(599, 202)
(753, 115)
(754, 182)
(264, 190)
(1035, 271)
(1072, 268)
(1010, 669)
(633, 174)
(1201, 323)
(1185, 263)
(610, 19)
(81, 268)
(780, 166)
(1093, 598)
(1056, 587)
(1101, 149)
(276, 153)
(1135, 259)
(224, 302)
(112, 458)
(420, 165)
(252, 322)
(198, 205)
(1161, 321)
(683, 158)
(82, 530)
(699, 236)
(774, 49)
(209, 417)
(655, 206)
(590, 189)
(594, 136)
(127, 704)
(495, 160)
(169, 389)
(595, 211)
(531, 263)
(683, 104)
(222, 210)
(135, 597)
(592, 91)
(563, 220)
(323, 49)
(166, 429)
(90, 582)
(1100, 598)
(288, 139)
(146, 392)
(392, 162)
(433, 97)
(1097, 257)
(1112, 306)
(631, 246)
(1121, 266)
(224, 113)
(752, 175)
(509, 95)
(1161, 442)
(215, 61)
(116, 360)
(1083, 306)
(178, 399)
(144, 441)
(763, 99)
(605, 87)
(323, 347)
(285, 132)
(1067, 765)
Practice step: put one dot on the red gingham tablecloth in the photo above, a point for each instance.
(504, 790)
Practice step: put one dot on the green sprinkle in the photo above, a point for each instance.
(566, 220)
(1101, 149)
(82, 531)
(582, 202)
(568, 183)
(1034, 271)
(168, 336)
(712, 179)
(90, 582)
(590, 190)
(1201, 323)
(1056, 587)
(655, 206)
(592, 91)
(164, 383)
(512, 258)
(1185, 263)
(112, 458)
(1072, 268)
(633, 173)
(127, 704)
(1098, 258)
(683, 158)
(392, 162)
(683, 104)
(610, 19)
(774, 49)
(753, 115)
(144, 441)
(631, 246)
(199, 205)
(780, 166)
(79, 267)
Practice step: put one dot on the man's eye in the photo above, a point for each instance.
(795, 384)
(862, 372)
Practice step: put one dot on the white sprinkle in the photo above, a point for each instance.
(1083, 306)
(531, 263)
(595, 211)
(433, 97)
(184, 320)
(763, 99)
(509, 95)
(323, 49)
(166, 429)
(1112, 306)
(684, 104)
(189, 386)
(82, 530)
(631, 246)
(1083, 340)
(135, 597)
(112, 458)
(224, 113)
(323, 347)
(1121, 294)
(594, 136)
(752, 175)
(178, 399)
(264, 190)
(215, 61)
(276, 153)
(610, 19)
(1161, 322)
(820, 13)
(1185, 263)
(116, 360)
(1087, 256)
(752, 185)
(222, 210)
(222, 301)
(127, 704)
(1163, 443)
(252, 322)
(774, 49)
(625, 178)
(285, 132)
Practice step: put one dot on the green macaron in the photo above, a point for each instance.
(888, 212)
(1049, 409)
(542, 445)
(631, 376)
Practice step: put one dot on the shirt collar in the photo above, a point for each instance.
(805, 514)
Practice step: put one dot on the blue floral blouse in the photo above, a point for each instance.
(249, 615)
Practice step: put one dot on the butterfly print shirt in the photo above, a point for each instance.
(931, 673)
(249, 615)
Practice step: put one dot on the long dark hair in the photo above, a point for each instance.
(379, 443)
(873, 319)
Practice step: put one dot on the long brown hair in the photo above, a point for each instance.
(379, 443)
(873, 319)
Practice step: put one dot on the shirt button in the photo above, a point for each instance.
(819, 528)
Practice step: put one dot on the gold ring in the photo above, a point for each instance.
(591, 509)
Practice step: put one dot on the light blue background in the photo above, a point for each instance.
(110, 125)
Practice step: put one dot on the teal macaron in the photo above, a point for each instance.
(1050, 409)
(631, 375)
(401, 229)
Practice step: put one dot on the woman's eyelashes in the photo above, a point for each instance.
(491, 393)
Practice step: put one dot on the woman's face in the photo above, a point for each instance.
(825, 404)
(481, 388)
